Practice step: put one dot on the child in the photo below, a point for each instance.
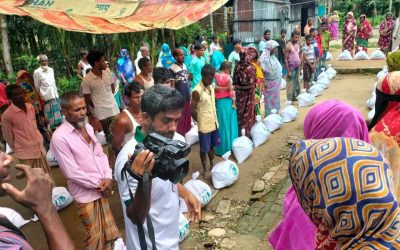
(308, 61)
(325, 39)
(226, 109)
(197, 63)
(316, 41)
(203, 111)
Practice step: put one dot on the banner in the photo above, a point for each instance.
(112, 16)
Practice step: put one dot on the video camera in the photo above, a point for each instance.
(169, 155)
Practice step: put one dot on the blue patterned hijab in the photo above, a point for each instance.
(345, 186)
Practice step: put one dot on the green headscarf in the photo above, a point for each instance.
(393, 61)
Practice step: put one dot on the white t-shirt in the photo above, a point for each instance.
(45, 83)
(164, 211)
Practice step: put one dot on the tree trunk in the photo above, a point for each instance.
(6, 45)
(171, 39)
(390, 5)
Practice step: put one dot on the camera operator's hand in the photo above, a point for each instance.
(37, 193)
(144, 161)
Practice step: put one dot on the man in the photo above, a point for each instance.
(205, 114)
(145, 53)
(37, 196)
(18, 124)
(292, 65)
(45, 85)
(145, 77)
(282, 43)
(264, 40)
(85, 166)
(127, 122)
(234, 56)
(164, 76)
(98, 89)
(83, 65)
(161, 110)
(214, 46)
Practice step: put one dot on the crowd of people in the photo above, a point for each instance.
(196, 85)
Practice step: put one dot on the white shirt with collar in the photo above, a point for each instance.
(45, 83)
(164, 210)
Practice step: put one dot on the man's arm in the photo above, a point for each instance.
(36, 81)
(88, 100)
(37, 196)
(118, 132)
(287, 52)
(69, 167)
(79, 70)
(192, 203)
(193, 104)
(139, 208)
(6, 128)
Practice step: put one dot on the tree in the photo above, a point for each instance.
(6, 45)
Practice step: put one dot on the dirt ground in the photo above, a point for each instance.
(354, 89)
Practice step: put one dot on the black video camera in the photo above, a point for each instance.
(169, 155)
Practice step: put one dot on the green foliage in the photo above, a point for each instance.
(65, 84)
(28, 62)
(188, 34)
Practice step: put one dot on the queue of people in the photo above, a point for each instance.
(166, 100)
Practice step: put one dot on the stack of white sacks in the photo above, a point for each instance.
(371, 101)
(226, 172)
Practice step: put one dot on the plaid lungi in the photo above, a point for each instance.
(38, 163)
(52, 110)
(101, 230)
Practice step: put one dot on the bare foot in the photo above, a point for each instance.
(206, 175)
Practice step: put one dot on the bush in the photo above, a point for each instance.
(65, 85)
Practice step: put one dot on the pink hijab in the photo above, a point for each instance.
(328, 119)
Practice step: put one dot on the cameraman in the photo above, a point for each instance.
(161, 111)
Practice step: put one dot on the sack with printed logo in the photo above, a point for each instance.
(199, 188)
(192, 136)
(345, 56)
(316, 89)
(259, 132)
(183, 227)
(289, 112)
(51, 158)
(224, 173)
(273, 121)
(305, 99)
(61, 197)
(377, 55)
(242, 147)
(14, 217)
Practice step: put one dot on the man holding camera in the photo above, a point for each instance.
(157, 215)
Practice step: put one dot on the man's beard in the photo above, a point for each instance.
(45, 68)
(81, 124)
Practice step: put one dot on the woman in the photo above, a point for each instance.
(334, 25)
(244, 80)
(349, 33)
(364, 32)
(260, 77)
(197, 63)
(117, 95)
(385, 33)
(125, 69)
(226, 111)
(217, 58)
(308, 26)
(345, 187)
(296, 229)
(25, 80)
(273, 76)
(165, 59)
(387, 115)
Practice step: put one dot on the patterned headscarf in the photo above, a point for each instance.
(345, 187)
(244, 56)
(125, 67)
(393, 61)
(166, 58)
